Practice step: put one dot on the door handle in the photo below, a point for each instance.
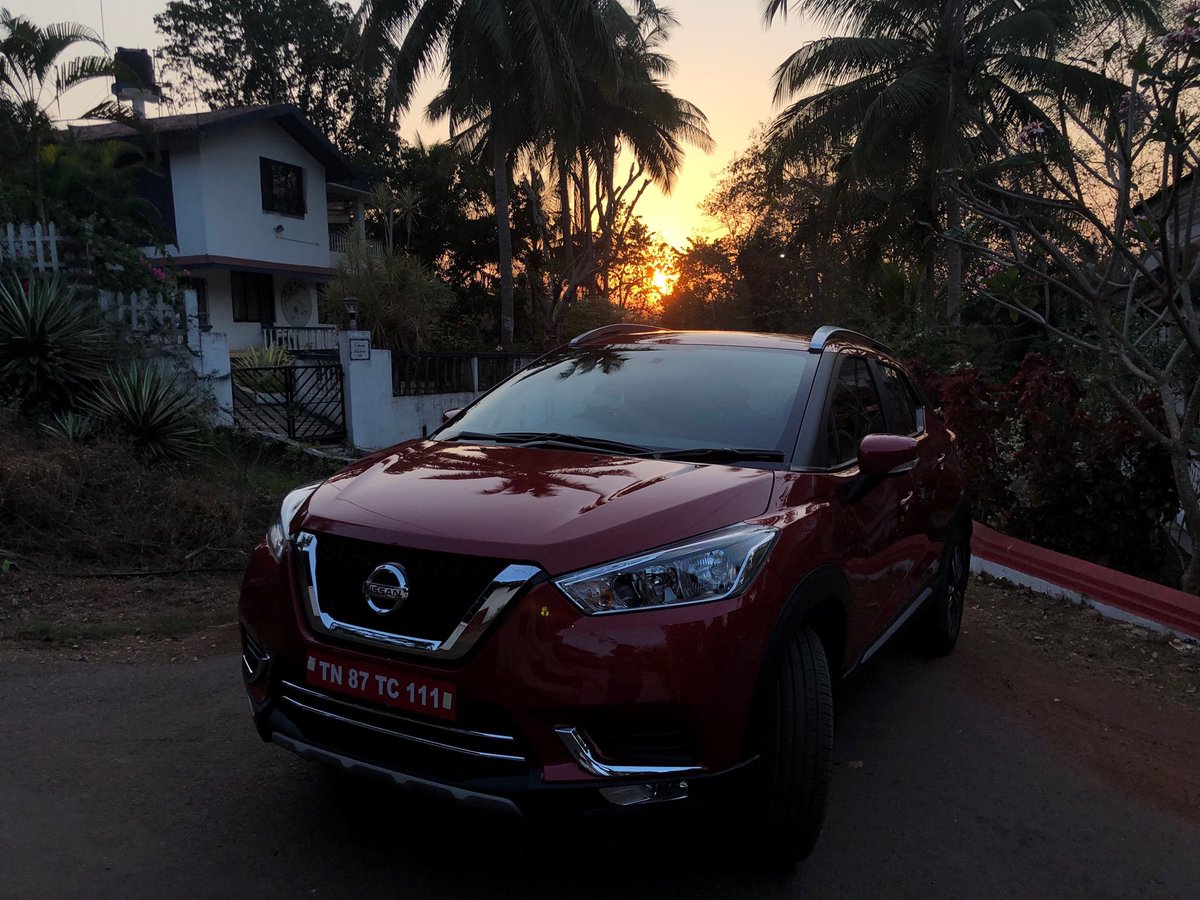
(941, 460)
(906, 501)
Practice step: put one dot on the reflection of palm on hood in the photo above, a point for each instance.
(561, 509)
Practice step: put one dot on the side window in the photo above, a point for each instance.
(905, 408)
(854, 412)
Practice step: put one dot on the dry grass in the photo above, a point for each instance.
(94, 508)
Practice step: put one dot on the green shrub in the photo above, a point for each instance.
(71, 427)
(153, 410)
(50, 343)
(273, 358)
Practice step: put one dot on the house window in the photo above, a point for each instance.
(282, 187)
(253, 297)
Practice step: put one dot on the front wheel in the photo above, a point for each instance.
(943, 622)
(796, 754)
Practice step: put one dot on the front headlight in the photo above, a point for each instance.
(702, 570)
(278, 533)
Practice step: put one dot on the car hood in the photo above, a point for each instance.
(562, 510)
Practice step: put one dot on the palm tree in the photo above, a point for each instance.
(33, 80)
(635, 112)
(509, 62)
(918, 88)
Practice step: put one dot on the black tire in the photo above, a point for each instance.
(942, 624)
(796, 754)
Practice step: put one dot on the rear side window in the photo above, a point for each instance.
(905, 408)
(854, 412)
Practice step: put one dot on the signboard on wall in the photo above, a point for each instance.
(360, 349)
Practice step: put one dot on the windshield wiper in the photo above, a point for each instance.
(553, 439)
(720, 454)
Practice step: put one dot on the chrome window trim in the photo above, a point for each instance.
(399, 735)
(498, 595)
(389, 714)
(585, 755)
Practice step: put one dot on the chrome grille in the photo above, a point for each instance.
(443, 585)
(333, 612)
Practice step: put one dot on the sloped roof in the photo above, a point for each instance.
(338, 167)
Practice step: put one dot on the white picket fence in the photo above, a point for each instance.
(34, 245)
(141, 311)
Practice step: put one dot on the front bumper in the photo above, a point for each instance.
(555, 708)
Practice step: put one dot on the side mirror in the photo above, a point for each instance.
(450, 414)
(881, 455)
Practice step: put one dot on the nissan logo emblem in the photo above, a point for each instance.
(386, 589)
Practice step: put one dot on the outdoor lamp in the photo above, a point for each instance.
(352, 311)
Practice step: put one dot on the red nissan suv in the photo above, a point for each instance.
(634, 573)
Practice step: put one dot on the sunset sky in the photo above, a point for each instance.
(724, 59)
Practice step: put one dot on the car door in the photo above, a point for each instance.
(873, 525)
(921, 532)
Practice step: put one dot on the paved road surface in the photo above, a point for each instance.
(147, 780)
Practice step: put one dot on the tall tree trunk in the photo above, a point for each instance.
(585, 198)
(37, 177)
(819, 313)
(504, 230)
(954, 262)
(564, 216)
(925, 289)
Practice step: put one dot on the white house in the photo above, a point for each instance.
(255, 198)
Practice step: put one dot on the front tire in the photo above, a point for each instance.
(797, 753)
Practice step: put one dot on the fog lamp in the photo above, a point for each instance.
(637, 794)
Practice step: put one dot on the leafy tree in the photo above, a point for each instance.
(400, 300)
(512, 70)
(628, 112)
(641, 271)
(226, 53)
(919, 87)
(708, 291)
(1089, 233)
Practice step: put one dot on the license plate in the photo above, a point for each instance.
(389, 687)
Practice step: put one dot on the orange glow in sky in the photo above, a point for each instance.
(724, 58)
(664, 282)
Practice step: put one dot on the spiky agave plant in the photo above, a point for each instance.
(70, 427)
(51, 344)
(155, 411)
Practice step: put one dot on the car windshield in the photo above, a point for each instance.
(649, 396)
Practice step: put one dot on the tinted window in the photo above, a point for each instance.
(282, 187)
(904, 402)
(658, 396)
(253, 297)
(854, 412)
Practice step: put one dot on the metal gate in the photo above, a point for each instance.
(304, 402)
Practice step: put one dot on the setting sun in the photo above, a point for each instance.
(663, 281)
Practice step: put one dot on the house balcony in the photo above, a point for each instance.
(339, 240)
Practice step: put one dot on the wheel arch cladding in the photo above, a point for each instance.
(817, 602)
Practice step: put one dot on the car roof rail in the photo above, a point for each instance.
(615, 330)
(827, 333)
